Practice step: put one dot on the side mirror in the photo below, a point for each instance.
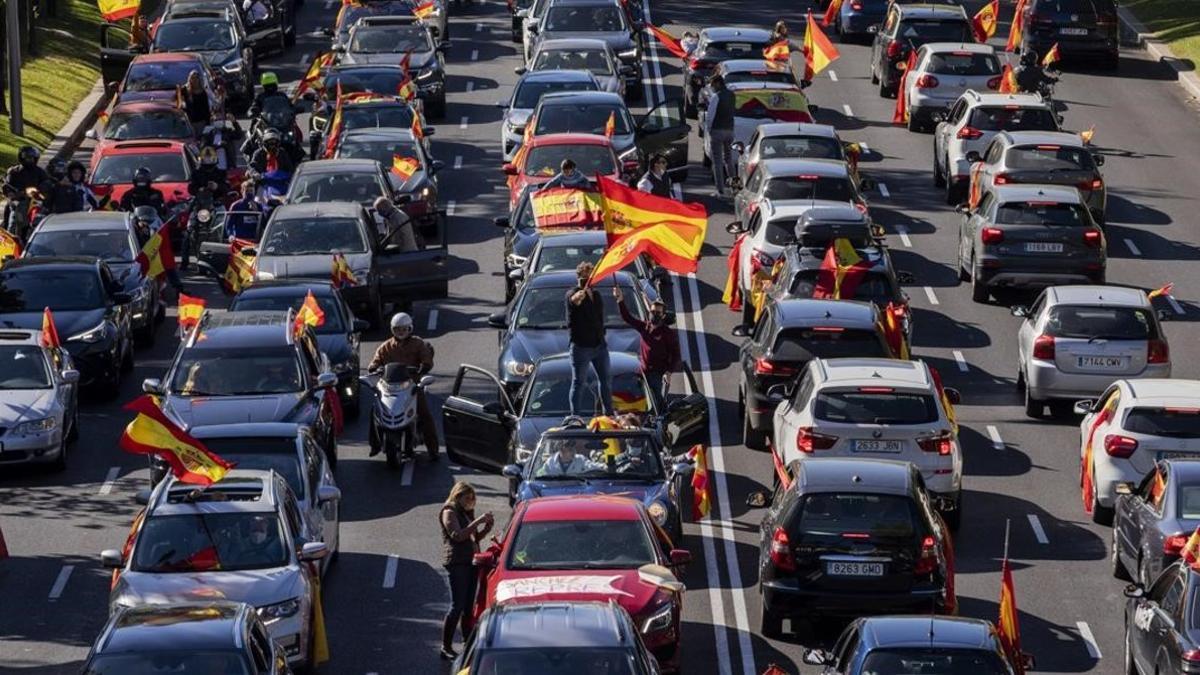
(873, 29)
(1134, 591)
(142, 496)
(1123, 488)
(777, 393)
(498, 320)
(974, 156)
(426, 381)
(111, 558)
(520, 70)
(326, 380)
(1059, 118)
(627, 70)
(683, 469)
(533, 29)
(517, 274)
(735, 227)
(328, 493)
(313, 550)
(360, 325)
(501, 221)
(905, 277)
(327, 31)
(1163, 315)
(509, 169)
(758, 499)
(152, 385)
(902, 66)
(741, 330)
(817, 657)
(739, 146)
(70, 376)
(867, 183)
(444, 46)
(436, 166)
(939, 116)
(963, 209)
(1098, 159)
(953, 395)
(680, 556)
(339, 49)
(1084, 407)
(511, 471)
(484, 559)
(91, 134)
(1019, 310)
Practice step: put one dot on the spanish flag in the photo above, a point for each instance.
(630, 402)
(1163, 291)
(668, 41)
(417, 132)
(1191, 549)
(985, 20)
(1008, 81)
(1087, 471)
(49, 331)
(309, 314)
(1088, 134)
(320, 643)
(407, 90)
(819, 52)
(190, 310)
(777, 51)
(424, 9)
(115, 10)
(1007, 626)
(667, 243)
(841, 271)
(1017, 29)
(322, 61)
(701, 497)
(567, 207)
(900, 112)
(405, 167)
(406, 62)
(733, 288)
(1052, 57)
(627, 209)
(975, 189)
(893, 330)
(831, 13)
(333, 131)
(152, 433)
(951, 417)
(9, 246)
(156, 257)
(239, 272)
(610, 126)
(601, 423)
(342, 275)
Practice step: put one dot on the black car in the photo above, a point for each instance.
(221, 40)
(1086, 29)
(200, 637)
(788, 335)
(338, 338)
(92, 313)
(1162, 623)
(717, 44)
(386, 110)
(850, 538)
(1154, 519)
(905, 29)
(275, 33)
(378, 40)
(384, 144)
(916, 644)
(541, 637)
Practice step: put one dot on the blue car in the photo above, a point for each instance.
(1154, 518)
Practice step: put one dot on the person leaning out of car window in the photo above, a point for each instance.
(461, 533)
(659, 354)
(397, 226)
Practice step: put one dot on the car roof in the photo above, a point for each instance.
(927, 630)
(557, 75)
(147, 107)
(1063, 194)
(155, 147)
(199, 16)
(85, 220)
(1042, 138)
(577, 507)
(943, 47)
(620, 363)
(572, 43)
(224, 330)
(786, 166)
(569, 139)
(58, 262)
(929, 11)
(581, 97)
(869, 372)
(567, 279)
(1148, 389)
(797, 129)
(835, 474)
(762, 85)
(838, 313)
(13, 336)
(247, 430)
(338, 166)
(380, 133)
(544, 624)
(726, 33)
(240, 491)
(551, 238)
(995, 99)
(583, 3)
(316, 209)
(1106, 296)
(185, 626)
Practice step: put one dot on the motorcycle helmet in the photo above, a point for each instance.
(57, 169)
(144, 216)
(73, 167)
(269, 82)
(402, 325)
(28, 156)
(270, 138)
(142, 177)
(1028, 57)
(208, 155)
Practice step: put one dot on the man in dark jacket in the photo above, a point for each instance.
(659, 353)
(718, 123)
(589, 350)
(143, 193)
(26, 173)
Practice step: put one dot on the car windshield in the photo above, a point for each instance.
(811, 147)
(917, 32)
(108, 245)
(780, 75)
(549, 395)
(837, 189)
(556, 661)
(874, 287)
(530, 92)
(805, 344)
(194, 36)
(376, 116)
(384, 81)
(1049, 158)
(622, 457)
(158, 76)
(923, 660)
(720, 51)
(241, 371)
(1175, 422)
(590, 118)
(32, 290)
(164, 168)
(604, 19)
(318, 236)
(963, 64)
(1042, 213)
(1013, 119)
(555, 258)
(830, 517)
(590, 159)
(282, 303)
(263, 454)
(545, 307)
(151, 124)
(1110, 323)
(581, 545)
(362, 188)
(23, 367)
(394, 39)
(210, 542)
(159, 662)
(856, 406)
(594, 61)
(382, 151)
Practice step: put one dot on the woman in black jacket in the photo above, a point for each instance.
(461, 532)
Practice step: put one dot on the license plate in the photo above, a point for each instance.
(878, 446)
(854, 569)
(1043, 247)
(1101, 362)
(1073, 31)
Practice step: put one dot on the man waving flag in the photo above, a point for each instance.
(153, 433)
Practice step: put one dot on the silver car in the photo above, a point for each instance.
(1075, 341)
(242, 539)
(1042, 157)
(783, 140)
(526, 95)
(38, 401)
(593, 56)
(943, 71)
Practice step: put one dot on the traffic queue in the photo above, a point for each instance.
(319, 235)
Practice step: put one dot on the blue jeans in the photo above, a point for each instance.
(583, 359)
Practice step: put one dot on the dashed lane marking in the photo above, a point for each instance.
(470, 86)
(406, 475)
(462, 124)
(330, 4)
(474, 54)
(109, 479)
(1132, 247)
(458, 161)
(903, 232)
(1040, 533)
(450, 205)
(431, 325)
(1088, 639)
(883, 190)
(833, 76)
(929, 294)
(389, 573)
(304, 58)
(846, 109)
(994, 434)
(478, 28)
(961, 361)
(60, 583)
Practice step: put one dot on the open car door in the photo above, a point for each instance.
(477, 420)
(423, 274)
(664, 129)
(115, 54)
(210, 244)
(685, 420)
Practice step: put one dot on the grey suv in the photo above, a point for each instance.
(1049, 157)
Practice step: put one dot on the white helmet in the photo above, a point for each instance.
(402, 320)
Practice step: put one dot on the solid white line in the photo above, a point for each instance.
(470, 86)
(109, 479)
(458, 161)
(474, 54)
(431, 325)
(883, 190)
(929, 294)
(60, 583)
(994, 434)
(846, 109)
(1132, 247)
(903, 232)
(389, 574)
(1038, 531)
(833, 76)
(450, 208)
(1175, 305)
(961, 361)
(478, 27)
(1088, 639)
(407, 475)
(462, 124)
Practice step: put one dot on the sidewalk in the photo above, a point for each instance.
(1171, 22)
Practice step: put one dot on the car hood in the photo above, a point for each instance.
(311, 266)
(633, 489)
(336, 347)
(67, 323)
(196, 411)
(623, 585)
(530, 428)
(254, 587)
(619, 41)
(530, 345)
(24, 405)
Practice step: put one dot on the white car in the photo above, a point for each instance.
(525, 97)
(943, 72)
(39, 394)
(1132, 425)
(783, 140)
(875, 408)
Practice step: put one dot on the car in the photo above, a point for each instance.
(1075, 341)
(788, 140)
(858, 20)
(339, 337)
(942, 73)
(300, 239)
(1155, 515)
(171, 165)
(350, 15)
(1087, 30)
(249, 367)
(213, 636)
(385, 109)
(906, 28)
(716, 44)
(847, 538)
(157, 77)
(786, 182)
(1137, 423)
(1029, 236)
(518, 9)
(593, 155)
(661, 129)
(872, 407)
(486, 428)
(908, 643)
(758, 103)
(741, 71)
(221, 40)
(606, 20)
(40, 397)
(387, 40)
(1162, 622)
(360, 181)
(595, 548)
(536, 637)
(92, 313)
(525, 96)
(565, 250)
(188, 543)
(592, 56)
(143, 121)
(788, 335)
(535, 322)
(384, 144)
(1045, 158)
(969, 126)
(275, 33)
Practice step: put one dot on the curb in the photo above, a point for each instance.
(1160, 51)
(71, 134)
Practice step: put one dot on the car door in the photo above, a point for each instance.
(1127, 524)
(318, 475)
(942, 132)
(115, 55)
(477, 420)
(748, 156)
(1143, 639)
(405, 276)
(685, 416)
(664, 129)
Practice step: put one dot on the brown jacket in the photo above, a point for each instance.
(412, 351)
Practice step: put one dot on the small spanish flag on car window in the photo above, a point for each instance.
(404, 167)
(424, 9)
(309, 314)
(49, 332)
(190, 310)
(610, 126)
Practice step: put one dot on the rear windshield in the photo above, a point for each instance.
(805, 344)
(1049, 158)
(780, 76)
(1189, 503)
(159, 661)
(920, 31)
(873, 288)
(1112, 323)
(530, 93)
(594, 61)
(733, 50)
(920, 661)
(842, 516)
(590, 160)
(1028, 213)
(781, 231)
(1081, 7)
(815, 147)
(375, 116)
(259, 303)
(835, 189)
(964, 63)
(1172, 422)
(583, 118)
(1013, 119)
(572, 19)
(871, 407)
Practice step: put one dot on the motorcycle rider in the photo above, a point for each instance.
(209, 177)
(143, 193)
(240, 221)
(56, 199)
(1030, 74)
(147, 221)
(69, 193)
(271, 157)
(407, 349)
(76, 173)
(270, 89)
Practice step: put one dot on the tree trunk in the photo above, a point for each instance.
(31, 20)
(3, 62)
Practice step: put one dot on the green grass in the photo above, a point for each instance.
(57, 79)
(1175, 22)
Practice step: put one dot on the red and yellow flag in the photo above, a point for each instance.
(342, 275)
(893, 330)
(630, 402)
(627, 209)
(239, 272)
(156, 257)
(406, 89)
(900, 112)
(417, 132)
(309, 314)
(1052, 57)
(115, 10)
(1007, 624)
(1087, 470)
(777, 51)
(406, 62)
(319, 63)
(841, 271)
(1017, 29)
(1191, 549)
(670, 244)
(190, 310)
(1088, 134)
(49, 331)
(1163, 291)
(333, 131)
(985, 20)
(424, 9)
(668, 41)
(405, 167)
(567, 207)
(974, 185)
(733, 287)
(701, 492)
(819, 52)
(319, 653)
(9, 246)
(831, 13)
(153, 433)
(1008, 81)
(610, 125)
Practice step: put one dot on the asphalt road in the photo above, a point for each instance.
(385, 598)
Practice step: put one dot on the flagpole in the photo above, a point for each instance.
(1007, 525)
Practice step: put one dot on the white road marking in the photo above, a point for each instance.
(1178, 308)
(407, 474)
(1038, 531)
(330, 4)
(60, 583)
(929, 294)
(478, 27)
(458, 161)
(109, 479)
(1088, 639)
(846, 109)
(304, 58)
(833, 76)
(462, 124)
(389, 574)
(903, 232)
(474, 54)
(431, 325)
(470, 86)
(450, 208)
(961, 361)
(1132, 247)
(994, 434)
(883, 190)
(866, 149)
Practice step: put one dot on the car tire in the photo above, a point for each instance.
(884, 90)
(1033, 407)
(689, 111)
(979, 290)
(1101, 515)
(874, 77)
(60, 463)
(1112, 62)
(770, 624)
(953, 192)
(753, 440)
(1114, 559)
(437, 109)
(954, 518)
(914, 124)
(1061, 409)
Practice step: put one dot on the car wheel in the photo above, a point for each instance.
(954, 518)
(914, 123)
(73, 433)
(60, 463)
(689, 111)
(979, 290)
(1033, 407)
(1112, 62)
(1114, 559)
(874, 77)
(770, 624)
(437, 109)
(1101, 515)
(754, 440)
(953, 192)
(1061, 409)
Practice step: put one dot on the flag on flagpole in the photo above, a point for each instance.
(417, 132)
(610, 126)
(1052, 57)
(900, 112)
(985, 20)
(342, 275)
(319, 63)
(49, 331)
(893, 330)
(156, 257)
(1088, 134)
(1017, 29)
(841, 271)
(405, 167)
(190, 310)
(627, 209)
(333, 131)
(239, 272)
(424, 9)
(732, 295)
(569, 207)
(778, 51)
(153, 433)
(1163, 291)
(309, 314)
(1008, 625)
(819, 52)
(115, 10)
(701, 494)
(9, 246)
(1008, 81)
(1087, 471)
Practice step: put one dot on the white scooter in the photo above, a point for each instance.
(394, 428)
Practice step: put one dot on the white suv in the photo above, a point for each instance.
(1134, 424)
(878, 408)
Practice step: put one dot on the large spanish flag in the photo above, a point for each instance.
(405, 167)
(1087, 471)
(841, 271)
(115, 10)
(156, 257)
(668, 41)
(831, 13)
(319, 63)
(893, 330)
(342, 275)
(1007, 624)
(1008, 81)
(424, 9)
(567, 207)
(627, 209)
(819, 52)
(333, 131)
(239, 273)
(900, 112)
(669, 244)
(733, 286)
(777, 51)
(152, 433)
(1017, 29)
(985, 20)
(190, 310)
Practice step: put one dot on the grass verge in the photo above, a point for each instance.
(1172, 21)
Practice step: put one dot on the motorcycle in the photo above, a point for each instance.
(394, 428)
(223, 136)
(204, 211)
(22, 213)
(280, 116)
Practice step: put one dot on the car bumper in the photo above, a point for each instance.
(97, 363)
(1046, 381)
(1068, 47)
(292, 634)
(1016, 272)
(927, 104)
(785, 598)
(36, 448)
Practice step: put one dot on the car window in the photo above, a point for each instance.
(1084, 8)
(376, 116)
(108, 245)
(193, 36)
(1013, 118)
(917, 32)
(807, 186)
(733, 49)
(1173, 596)
(1164, 581)
(548, 395)
(333, 315)
(805, 344)
(580, 544)
(291, 513)
(875, 287)
(545, 160)
(815, 147)
(781, 231)
(32, 290)
(597, 456)
(553, 258)
(360, 187)
(167, 661)
(382, 151)
(529, 93)
(1049, 158)
(314, 460)
(318, 236)
(843, 651)
(594, 61)
(604, 18)
(237, 371)
(590, 118)
(942, 660)
(547, 660)
(209, 542)
(963, 64)
(545, 308)
(835, 517)
(1172, 422)
(875, 405)
(23, 367)
(754, 182)
(391, 39)
(157, 76)
(1051, 214)
(1112, 323)
(803, 391)
(780, 76)
(766, 325)
(164, 167)
(144, 125)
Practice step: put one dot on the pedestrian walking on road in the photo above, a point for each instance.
(718, 131)
(461, 533)
(589, 350)
(656, 181)
(659, 354)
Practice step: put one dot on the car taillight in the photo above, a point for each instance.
(994, 83)
(781, 551)
(928, 561)
(1173, 544)
(1043, 347)
(1157, 352)
(941, 443)
(1093, 238)
(1119, 446)
(807, 441)
(1002, 179)
(894, 50)
(856, 6)
(763, 366)
(927, 82)
(1089, 185)
(969, 133)
(991, 235)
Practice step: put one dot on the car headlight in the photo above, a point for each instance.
(345, 366)
(519, 368)
(233, 67)
(36, 426)
(264, 276)
(425, 192)
(659, 620)
(90, 336)
(204, 216)
(658, 512)
(523, 454)
(426, 73)
(628, 54)
(280, 610)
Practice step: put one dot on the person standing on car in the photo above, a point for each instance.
(409, 350)
(656, 181)
(195, 103)
(461, 534)
(659, 354)
(588, 348)
(718, 129)
(567, 177)
(398, 227)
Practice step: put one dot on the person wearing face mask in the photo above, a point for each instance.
(409, 350)
(657, 182)
(659, 354)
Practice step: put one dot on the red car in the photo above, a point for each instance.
(170, 162)
(142, 121)
(154, 77)
(590, 548)
(592, 155)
